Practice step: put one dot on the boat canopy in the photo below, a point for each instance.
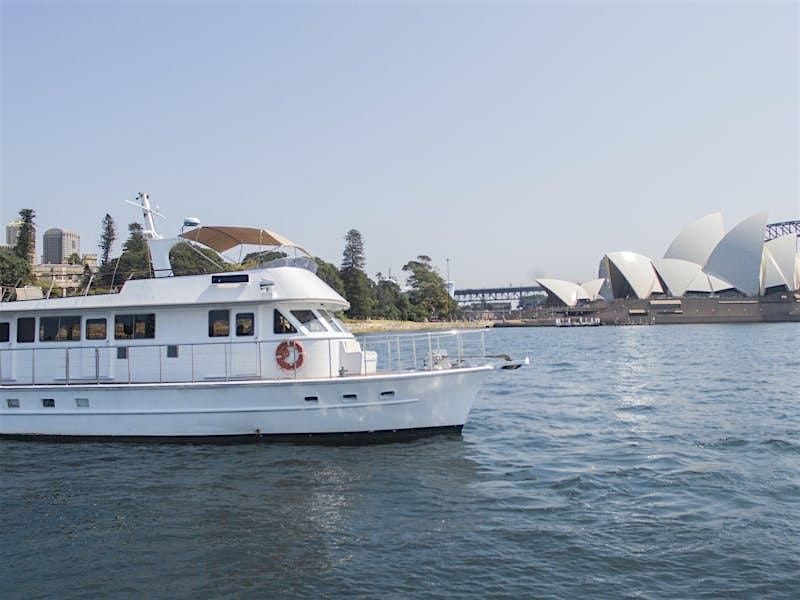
(222, 239)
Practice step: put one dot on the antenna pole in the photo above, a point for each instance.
(149, 224)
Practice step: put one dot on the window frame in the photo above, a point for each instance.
(20, 330)
(213, 321)
(87, 322)
(5, 331)
(145, 321)
(278, 313)
(71, 328)
(239, 317)
(319, 328)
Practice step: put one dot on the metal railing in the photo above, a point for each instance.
(234, 361)
(427, 351)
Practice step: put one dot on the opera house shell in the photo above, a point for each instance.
(703, 260)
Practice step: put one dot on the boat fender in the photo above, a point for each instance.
(287, 349)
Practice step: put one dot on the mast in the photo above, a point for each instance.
(143, 202)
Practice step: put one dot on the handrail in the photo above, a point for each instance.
(234, 360)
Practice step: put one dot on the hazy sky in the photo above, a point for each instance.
(516, 139)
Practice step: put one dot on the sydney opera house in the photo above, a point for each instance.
(703, 261)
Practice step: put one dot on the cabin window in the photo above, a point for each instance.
(135, 327)
(244, 323)
(335, 323)
(26, 329)
(281, 324)
(219, 323)
(309, 320)
(12, 402)
(172, 352)
(49, 402)
(122, 352)
(4, 332)
(95, 329)
(59, 329)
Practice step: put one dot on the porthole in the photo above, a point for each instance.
(172, 352)
(122, 352)
(48, 402)
(387, 394)
(312, 398)
(82, 402)
(12, 402)
(349, 396)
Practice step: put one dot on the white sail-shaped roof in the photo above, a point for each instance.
(771, 275)
(677, 274)
(567, 292)
(797, 272)
(737, 257)
(593, 287)
(779, 262)
(697, 240)
(638, 271)
(707, 284)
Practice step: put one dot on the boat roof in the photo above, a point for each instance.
(222, 238)
(283, 284)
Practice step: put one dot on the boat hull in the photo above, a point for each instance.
(402, 404)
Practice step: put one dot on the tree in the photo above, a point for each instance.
(188, 259)
(107, 237)
(428, 294)
(74, 259)
(330, 275)
(390, 301)
(13, 269)
(353, 255)
(356, 283)
(135, 259)
(27, 234)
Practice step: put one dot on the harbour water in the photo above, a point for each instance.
(655, 462)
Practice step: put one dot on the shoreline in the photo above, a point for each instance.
(390, 326)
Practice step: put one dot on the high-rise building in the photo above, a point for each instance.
(58, 245)
(12, 235)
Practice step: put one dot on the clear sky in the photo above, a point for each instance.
(516, 139)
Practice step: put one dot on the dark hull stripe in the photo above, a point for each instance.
(345, 439)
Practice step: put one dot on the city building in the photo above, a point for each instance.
(58, 245)
(12, 235)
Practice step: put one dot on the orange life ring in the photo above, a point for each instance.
(285, 350)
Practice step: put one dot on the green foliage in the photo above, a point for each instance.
(358, 292)
(74, 259)
(353, 255)
(428, 296)
(134, 262)
(188, 259)
(107, 236)
(27, 233)
(13, 269)
(357, 286)
(391, 302)
(256, 259)
(330, 275)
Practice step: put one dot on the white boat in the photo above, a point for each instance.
(254, 354)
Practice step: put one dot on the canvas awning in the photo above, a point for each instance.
(223, 239)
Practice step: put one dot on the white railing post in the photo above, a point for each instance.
(258, 356)
(66, 365)
(414, 352)
(430, 353)
(33, 367)
(399, 358)
(225, 347)
(97, 365)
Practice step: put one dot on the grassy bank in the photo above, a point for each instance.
(385, 326)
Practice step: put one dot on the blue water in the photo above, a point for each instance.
(653, 462)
